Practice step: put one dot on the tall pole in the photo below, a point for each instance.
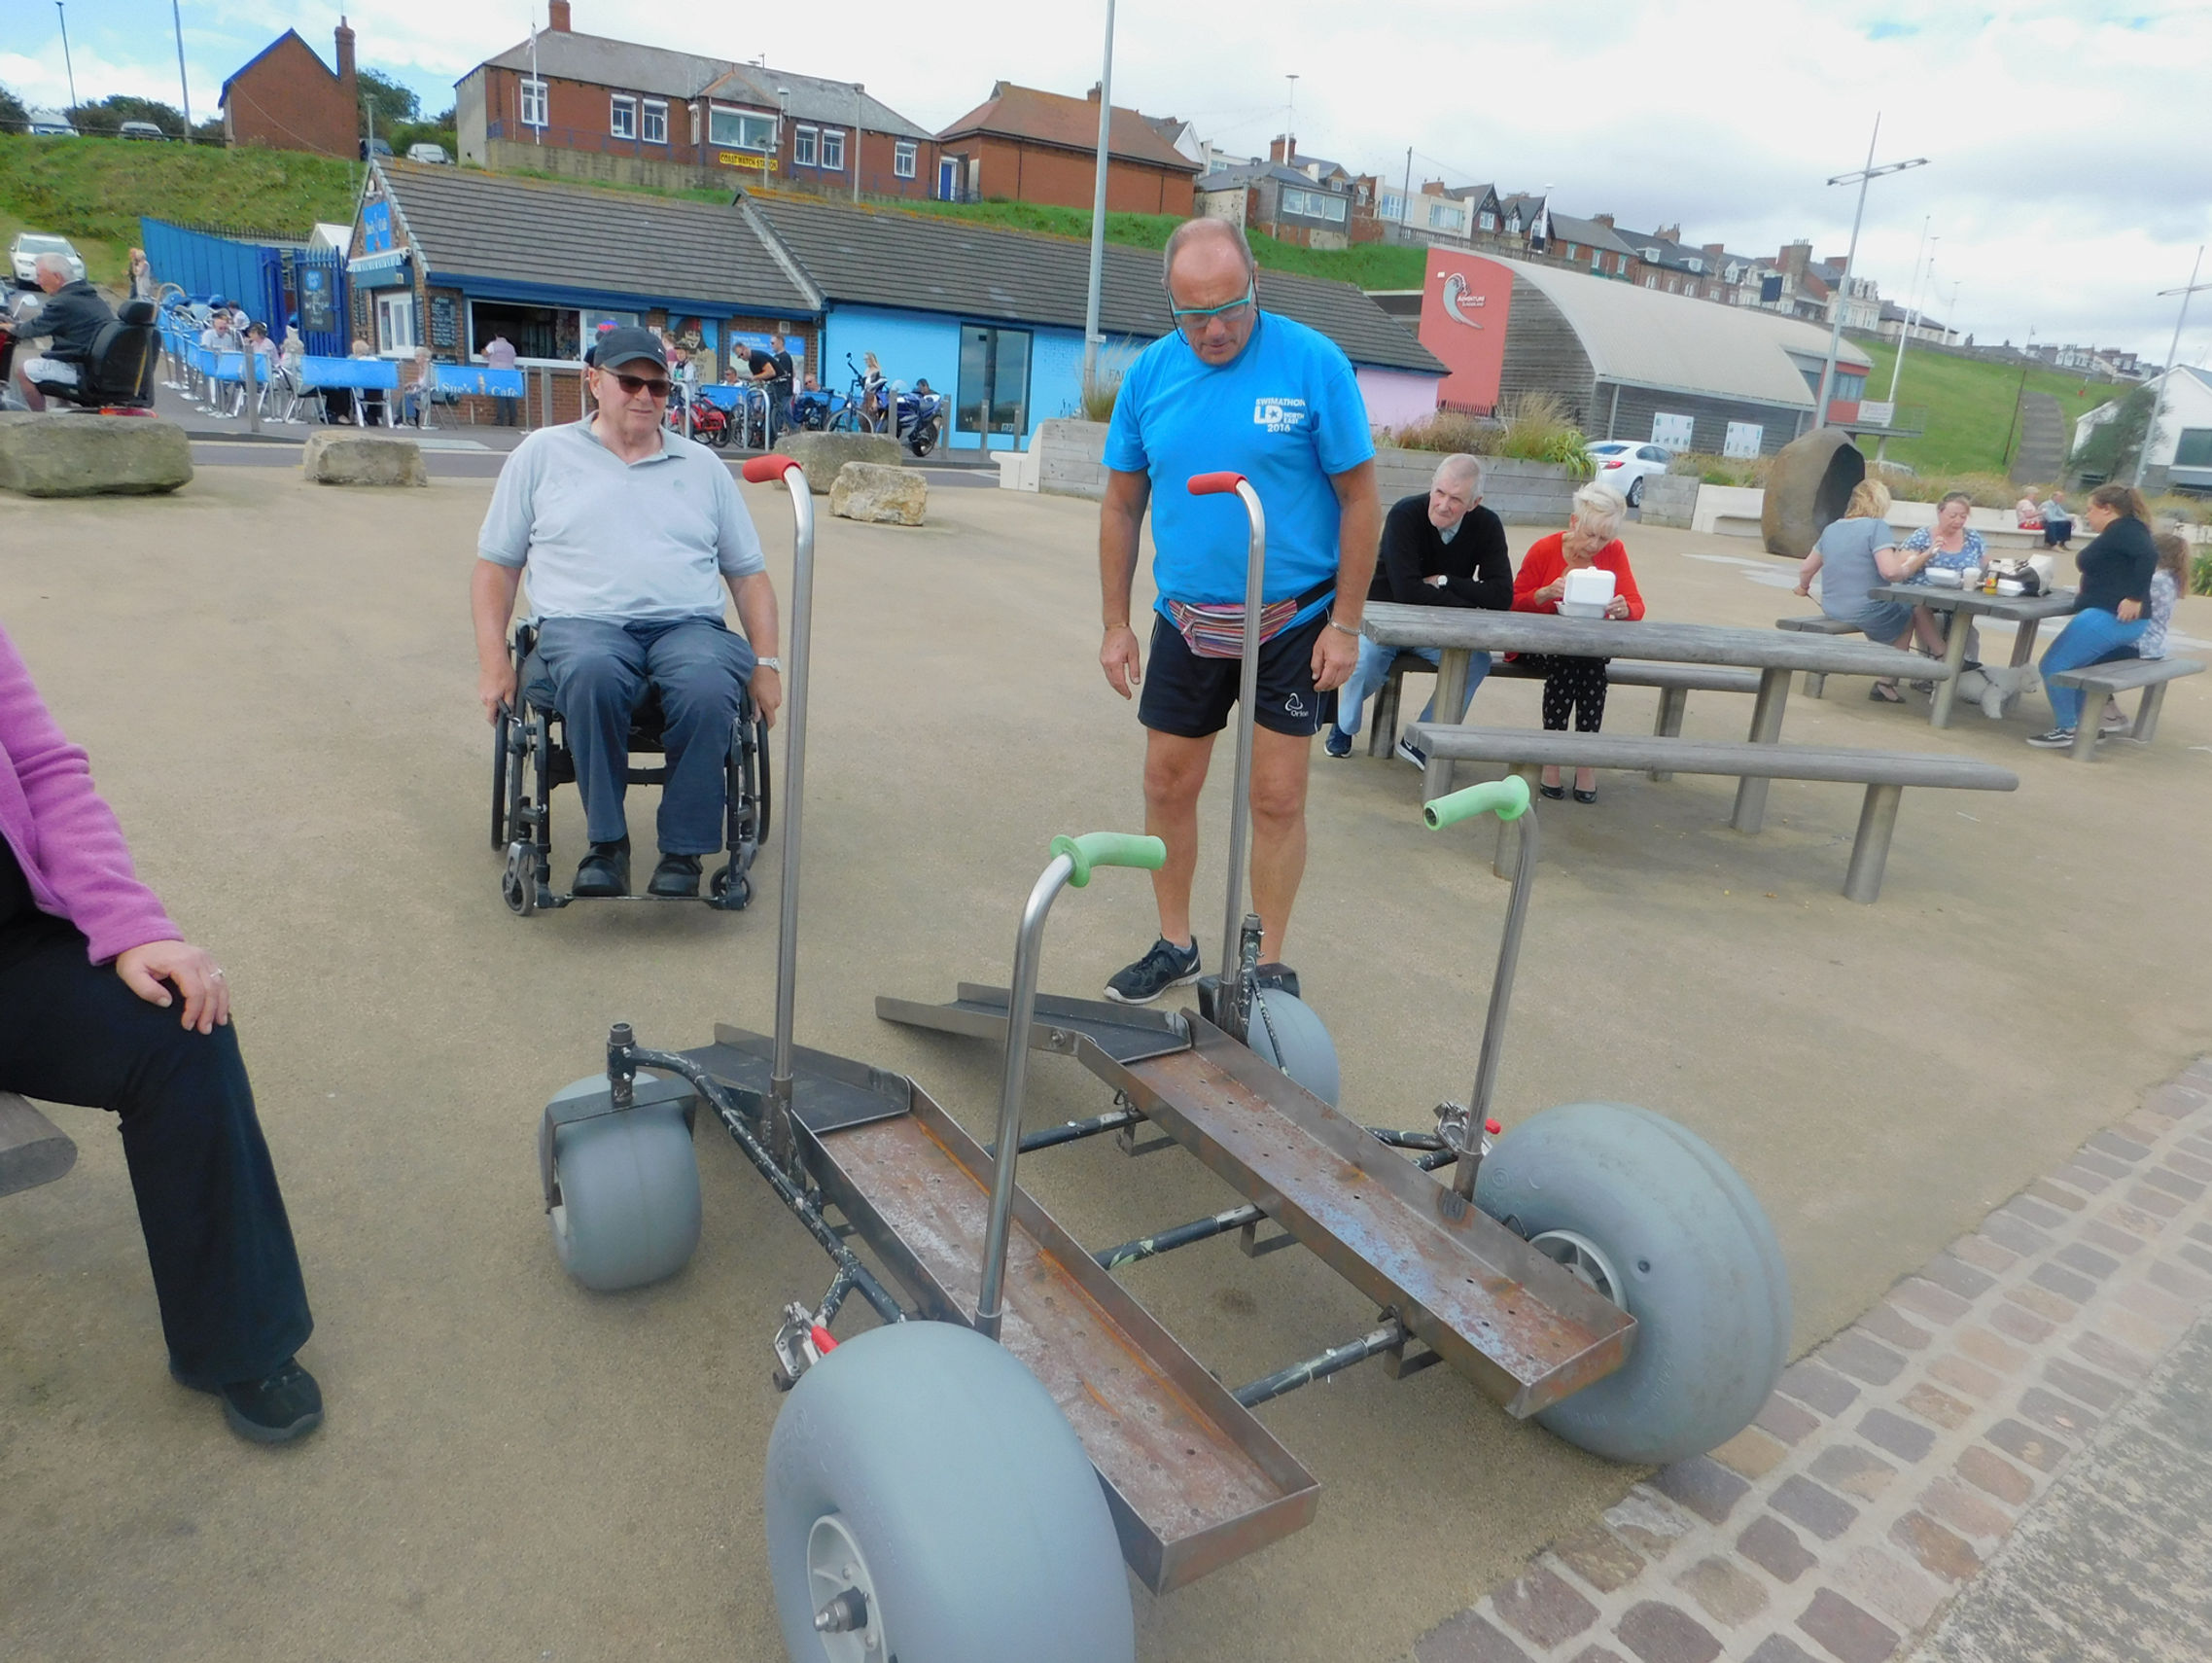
(2012, 426)
(859, 112)
(1290, 123)
(1863, 177)
(66, 61)
(1092, 339)
(1904, 333)
(1405, 196)
(184, 81)
(2159, 403)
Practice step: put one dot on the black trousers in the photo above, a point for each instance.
(225, 1274)
(1571, 687)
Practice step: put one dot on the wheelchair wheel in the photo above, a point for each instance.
(729, 888)
(518, 883)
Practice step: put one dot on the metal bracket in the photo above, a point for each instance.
(1250, 1244)
(1129, 1143)
(795, 1347)
(646, 1092)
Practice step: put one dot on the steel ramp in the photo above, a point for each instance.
(1192, 1477)
(1127, 1033)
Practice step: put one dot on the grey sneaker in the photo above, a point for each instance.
(1166, 965)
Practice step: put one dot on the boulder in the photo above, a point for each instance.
(54, 454)
(1809, 483)
(336, 458)
(883, 496)
(824, 454)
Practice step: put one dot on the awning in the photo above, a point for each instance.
(389, 263)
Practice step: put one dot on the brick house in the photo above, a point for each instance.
(1024, 145)
(287, 98)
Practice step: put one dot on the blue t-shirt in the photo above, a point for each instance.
(1286, 414)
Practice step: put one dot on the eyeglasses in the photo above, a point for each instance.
(653, 385)
(1192, 320)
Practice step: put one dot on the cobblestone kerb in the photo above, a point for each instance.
(1892, 1461)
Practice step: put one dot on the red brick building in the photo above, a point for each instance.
(1023, 145)
(288, 98)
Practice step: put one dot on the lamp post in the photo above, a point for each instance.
(1863, 177)
(2159, 403)
(859, 111)
(184, 81)
(1905, 330)
(1092, 339)
(66, 61)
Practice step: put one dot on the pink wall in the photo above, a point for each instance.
(1396, 398)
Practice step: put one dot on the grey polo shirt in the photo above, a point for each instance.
(646, 542)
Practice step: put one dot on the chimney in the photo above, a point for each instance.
(1093, 93)
(1670, 234)
(1605, 220)
(1432, 187)
(1716, 255)
(1282, 148)
(345, 63)
(557, 16)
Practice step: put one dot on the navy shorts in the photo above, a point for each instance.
(1192, 697)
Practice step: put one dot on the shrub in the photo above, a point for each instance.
(1711, 469)
(1988, 490)
(2200, 575)
(1452, 434)
(1098, 396)
(1536, 430)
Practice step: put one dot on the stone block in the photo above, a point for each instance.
(1543, 1607)
(1985, 1471)
(1845, 1630)
(1774, 1549)
(1726, 1593)
(1821, 1511)
(878, 495)
(336, 458)
(1808, 482)
(1703, 1485)
(1665, 1634)
(823, 455)
(79, 454)
(1896, 1435)
(1599, 1558)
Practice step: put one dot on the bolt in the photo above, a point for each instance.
(845, 1613)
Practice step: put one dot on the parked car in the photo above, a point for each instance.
(1625, 465)
(52, 129)
(434, 154)
(376, 148)
(28, 246)
(142, 130)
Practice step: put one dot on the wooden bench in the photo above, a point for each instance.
(1675, 684)
(1884, 773)
(1815, 685)
(2099, 682)
(33, 1149)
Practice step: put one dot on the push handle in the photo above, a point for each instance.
(1108, 849)
(764, 470)
(1507, 798)
(1215, 485)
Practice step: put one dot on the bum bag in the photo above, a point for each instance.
(1215, 630)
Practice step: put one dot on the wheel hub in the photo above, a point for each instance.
(846, 1613)
(1585, 1260)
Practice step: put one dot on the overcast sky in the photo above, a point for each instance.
(2070, 145)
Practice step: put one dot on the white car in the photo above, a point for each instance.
(434, 154)
(1625, 465)
(28, 246)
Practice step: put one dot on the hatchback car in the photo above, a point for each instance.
(1625, 465)
(142, 130)
(28, 246)
(434, 154)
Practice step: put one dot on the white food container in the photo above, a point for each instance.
(1588, 586)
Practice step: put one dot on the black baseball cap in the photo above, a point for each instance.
(620, 346)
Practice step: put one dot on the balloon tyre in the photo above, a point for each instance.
(1287, 1031)
(628, 1213)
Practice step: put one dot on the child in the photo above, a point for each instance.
(2168, 584)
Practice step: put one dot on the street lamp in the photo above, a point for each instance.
(183, 83)
(1905, 330)
(2159, 403)
(65, 59)
(1092, 339)
(1862, 178)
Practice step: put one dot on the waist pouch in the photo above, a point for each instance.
(1215, 630)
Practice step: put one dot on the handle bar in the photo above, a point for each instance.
(764, 470)
(1215, 485)
(1108, 849)
(1507, 798)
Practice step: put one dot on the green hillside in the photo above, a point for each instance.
(1969, 404)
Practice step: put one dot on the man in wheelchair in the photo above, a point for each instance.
(628, 531)
(74, 318)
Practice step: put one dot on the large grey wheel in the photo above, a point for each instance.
(927, 1502)
(628, 1188)
(1645, 1212)
(1286, 1032)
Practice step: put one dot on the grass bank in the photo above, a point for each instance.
(1970, 406)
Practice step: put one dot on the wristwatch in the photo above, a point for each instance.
(770, 663)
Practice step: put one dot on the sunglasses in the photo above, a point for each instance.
(1192, 320)
(655, 386)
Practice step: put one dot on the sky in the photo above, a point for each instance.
(2069, 146)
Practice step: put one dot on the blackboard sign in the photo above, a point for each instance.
(444, 321)
(315, 311)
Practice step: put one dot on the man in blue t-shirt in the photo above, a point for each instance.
(1250, 392)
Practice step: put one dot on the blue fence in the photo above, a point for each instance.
(273, 282)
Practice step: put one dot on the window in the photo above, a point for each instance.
(2193, 448)
(1513, 223)
(622, 119)
(1320, 205)
(741, 129)
(1444, 215)
(1488, 220)
(533, 104)
(395, 322)
(833, 152)
(902, 159)
(993, 382)
(802, 146)
(1651, 282)
(1573, 251)
(656, 121)
(535, 332)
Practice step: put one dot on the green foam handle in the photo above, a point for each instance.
(1507, 798)
(1109, 849)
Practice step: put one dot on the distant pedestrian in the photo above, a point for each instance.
(500, 354)
(141, 276)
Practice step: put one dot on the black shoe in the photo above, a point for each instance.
(2057, 740)
(1335, 741)
(1278, 976)
(604, 872)
(285, 1405)
(676, 878)
(1166, 965)
(1553, 793)
(1586, 797)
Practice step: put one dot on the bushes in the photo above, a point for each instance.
(1710, 469)
(1988, 490)
(1452, 434)
(1533, 428)
(2200, 575)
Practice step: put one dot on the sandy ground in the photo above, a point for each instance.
(275, 681)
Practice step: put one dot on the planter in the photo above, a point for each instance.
(1519, 493)
(1670, 500)
(1070, 459)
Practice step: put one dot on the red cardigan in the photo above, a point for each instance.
(1545, 562)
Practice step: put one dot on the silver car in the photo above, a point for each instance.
(28, 246)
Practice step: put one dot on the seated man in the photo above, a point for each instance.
(628, 531)
(73, 317)
(1441, 549)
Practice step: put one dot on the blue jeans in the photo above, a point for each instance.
(2087, 638)
(1374, 669)
(594, 672)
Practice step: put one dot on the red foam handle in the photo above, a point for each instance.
(1492, 1127)
(821, 1335)
(1213, 484)
(760, 470)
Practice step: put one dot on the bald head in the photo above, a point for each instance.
(1207, 244)
(1212, 286)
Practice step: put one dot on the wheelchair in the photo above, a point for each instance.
(530, 759)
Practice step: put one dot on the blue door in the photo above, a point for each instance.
(948, 179)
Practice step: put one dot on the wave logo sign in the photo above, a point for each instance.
(1279, 415)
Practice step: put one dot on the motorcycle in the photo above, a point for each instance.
(817, 408)
(918, 416)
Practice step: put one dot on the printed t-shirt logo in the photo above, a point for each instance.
(1279, 415)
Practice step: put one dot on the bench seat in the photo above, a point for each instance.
(1884, 773)
(2122, 675)
(1815, 685)
(1674, 681)
(33, 1149)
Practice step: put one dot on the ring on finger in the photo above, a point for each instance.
(217, 972)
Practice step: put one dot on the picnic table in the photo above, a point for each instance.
(1456, 632)
(2027, 611)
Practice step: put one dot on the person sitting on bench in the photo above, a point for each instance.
(2111, 609)
(73, 317)
(1441, 549)
(91, 973)
(1574, 684)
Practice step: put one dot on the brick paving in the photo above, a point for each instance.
(1896, 1459)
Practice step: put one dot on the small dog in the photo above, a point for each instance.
(1997, 687)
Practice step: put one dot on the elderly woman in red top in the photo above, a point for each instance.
(1576, 686)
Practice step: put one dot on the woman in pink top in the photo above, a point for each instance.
(92, 972)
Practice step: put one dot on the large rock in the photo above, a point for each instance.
(1809, 483)
(59, 455)
(823, 455)
(336, 458)
(884, 496)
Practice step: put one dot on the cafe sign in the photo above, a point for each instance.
(745, 158)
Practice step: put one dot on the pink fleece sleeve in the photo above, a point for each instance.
(73, 851)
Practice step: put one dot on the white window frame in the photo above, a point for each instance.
(621, 116)
(833, 150)
(655, 122)
(534, 102)
(743, 121)
(395, 322)
(803, 146)
(903, 158)
(1488, 220)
